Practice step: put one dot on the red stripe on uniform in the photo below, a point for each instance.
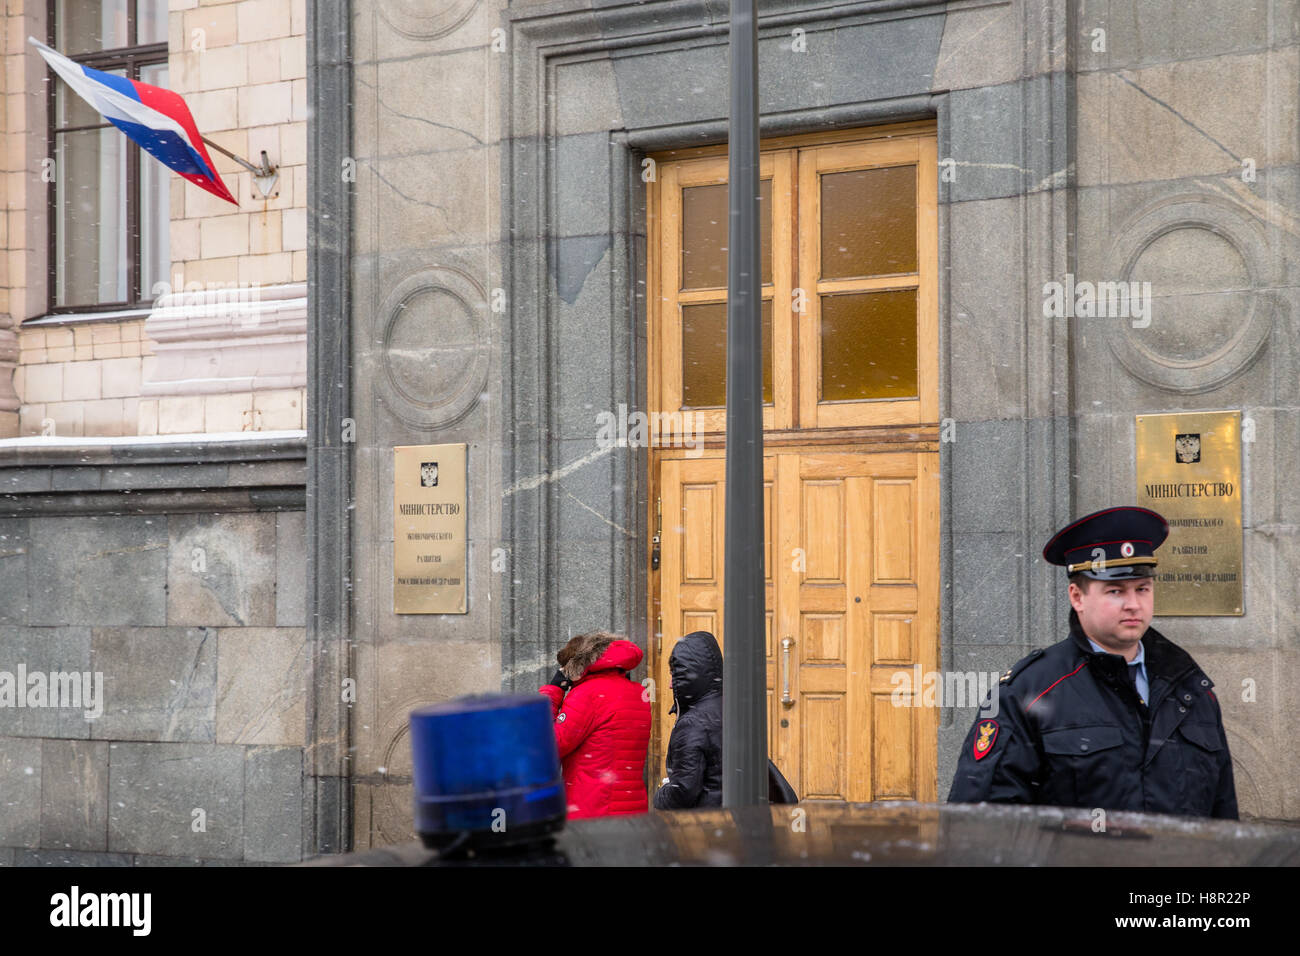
(1055, 682)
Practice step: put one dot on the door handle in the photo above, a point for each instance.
(786, 644)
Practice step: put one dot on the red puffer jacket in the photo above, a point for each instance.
(602, 728)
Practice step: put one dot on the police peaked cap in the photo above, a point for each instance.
(1116, 544)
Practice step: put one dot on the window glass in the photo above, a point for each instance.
(868, 222)
(868, 345)
(155, 205)
(71, 110)
(704, 355)
(704, 235)
(90, 224)
(150, 21)
(110, 228)
(88, 26)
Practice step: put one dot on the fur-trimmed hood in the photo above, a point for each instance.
(601, 652)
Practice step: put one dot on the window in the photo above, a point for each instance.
(109, 202)
(849, 258)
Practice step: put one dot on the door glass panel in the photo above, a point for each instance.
(704, 355)
(868, 222)
(704, 235)
(868, 343)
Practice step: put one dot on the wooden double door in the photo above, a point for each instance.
(851, 557)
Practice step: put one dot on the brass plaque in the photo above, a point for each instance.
(1189, 470)
(429, 530)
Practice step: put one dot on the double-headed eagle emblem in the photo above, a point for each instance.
(988, 732)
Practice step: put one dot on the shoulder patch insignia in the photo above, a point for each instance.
(1005, 677)
(988, 732)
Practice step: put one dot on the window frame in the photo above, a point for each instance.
(708, 171)
(921, 152)
(130, 59)
(798, 407)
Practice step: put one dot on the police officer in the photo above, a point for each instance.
(1115, 716)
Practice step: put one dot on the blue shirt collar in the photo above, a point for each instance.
(1139, 661)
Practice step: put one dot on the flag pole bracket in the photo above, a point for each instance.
(265, 176)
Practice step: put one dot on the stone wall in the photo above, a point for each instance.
(82, 379)
(22, 131)
(423, 358)
(1189, 178)
(177, 571)
(241, 66)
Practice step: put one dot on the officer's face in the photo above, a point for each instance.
(1115, 614)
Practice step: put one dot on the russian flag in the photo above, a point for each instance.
(157, 119)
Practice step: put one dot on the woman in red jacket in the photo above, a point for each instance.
(602, 725)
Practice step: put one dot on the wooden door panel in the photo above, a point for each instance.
(893, 638)
(893, 557)
(698, 621)
(824, 723)
(848, 575)
(893, 750)
(823, 530)
(894, 598)
(861, 596)
(821, 598)
(824, 639)
(692, 567)
(692, 493)
(700, 505)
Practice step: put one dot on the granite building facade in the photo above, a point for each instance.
(499, 151)
(489, 213)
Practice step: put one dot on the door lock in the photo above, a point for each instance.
(659, 528)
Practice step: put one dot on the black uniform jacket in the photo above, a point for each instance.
(1071, 731)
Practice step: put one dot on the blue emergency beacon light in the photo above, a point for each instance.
(487, 773)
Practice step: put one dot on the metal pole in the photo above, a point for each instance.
(744, 724)
(262, 170)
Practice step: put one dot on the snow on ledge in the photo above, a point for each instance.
(195, 438)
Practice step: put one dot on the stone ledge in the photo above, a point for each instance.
(202, 448)
(219, 501)
(205, 473)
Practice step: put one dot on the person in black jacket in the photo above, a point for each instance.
(694, 760)
(1114, 717)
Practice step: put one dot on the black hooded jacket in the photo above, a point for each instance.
(694, 761)
(1070, 730)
